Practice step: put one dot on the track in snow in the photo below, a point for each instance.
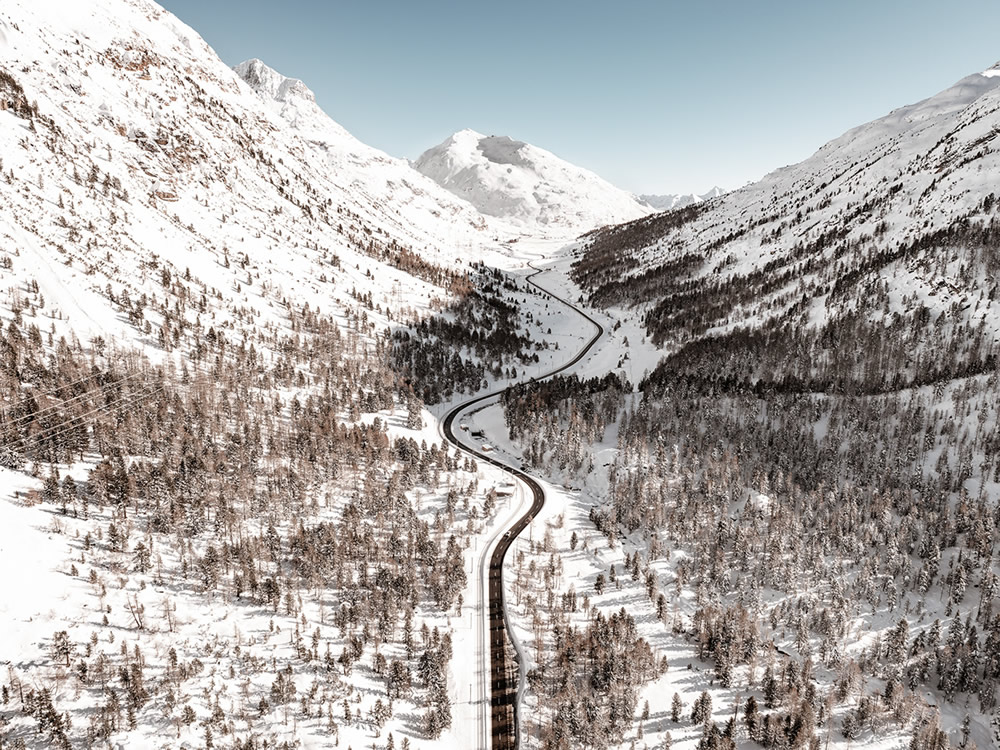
(505, 683)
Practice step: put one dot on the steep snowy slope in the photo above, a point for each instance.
(830, 382)
(533, 189)
(200, 278)
(404, 199)
(129, 150)
(889, 219)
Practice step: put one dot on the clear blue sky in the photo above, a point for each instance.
(654, 95)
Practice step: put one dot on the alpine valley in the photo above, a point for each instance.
(304, 445)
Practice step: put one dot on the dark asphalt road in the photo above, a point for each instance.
(503, 675)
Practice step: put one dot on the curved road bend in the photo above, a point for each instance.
(505, 681)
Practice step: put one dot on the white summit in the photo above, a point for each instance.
(531, 188)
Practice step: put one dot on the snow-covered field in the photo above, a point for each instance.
(98, 599)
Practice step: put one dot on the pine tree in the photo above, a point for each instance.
(751, 717)
(62, 646)
(599, 583)
(702, 711)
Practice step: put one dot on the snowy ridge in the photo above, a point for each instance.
(879, 188)
(401, 196)
(288, 97)
(532, 188)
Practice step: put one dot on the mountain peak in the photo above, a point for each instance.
(293, 102)
(270, 84)
(501, 149)
(497, 149)
(528, 186)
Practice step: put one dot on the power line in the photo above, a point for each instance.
(67, 427)
(70, 425)
(42, 413)
(92, 376)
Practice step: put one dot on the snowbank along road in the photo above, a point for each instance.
(505, 680)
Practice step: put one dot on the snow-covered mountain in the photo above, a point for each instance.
(533, 189)
(128, 142)
(863, 223)
(831, 332)
(401, 195)
(671, 201)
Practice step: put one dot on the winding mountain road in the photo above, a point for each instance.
(505, 683)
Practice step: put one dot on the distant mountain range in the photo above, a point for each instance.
(672, 201)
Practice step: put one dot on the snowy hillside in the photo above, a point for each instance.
(230, 332)
(829, 381)
(203, 282)
(533, 189)
(676, 200)
(130, 147)
(865, 209)
(404, 199)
